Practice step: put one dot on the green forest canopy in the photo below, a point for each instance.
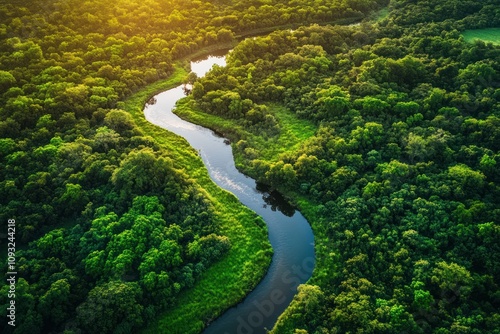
(101, 207)
(399, 181)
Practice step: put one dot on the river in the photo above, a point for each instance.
(289, 233)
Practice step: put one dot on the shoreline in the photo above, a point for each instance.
(181, 69)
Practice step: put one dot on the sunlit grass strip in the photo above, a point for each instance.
(294, 131)
(489, 35)
(380, 14)
(229, 280)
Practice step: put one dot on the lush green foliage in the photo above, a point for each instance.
(400, 180)
(248, 257)
(65, 63)
(113, 225)
(118, 221)
(489, 35)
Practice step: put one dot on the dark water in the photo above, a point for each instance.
(289, 232)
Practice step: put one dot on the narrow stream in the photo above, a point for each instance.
(289, 233)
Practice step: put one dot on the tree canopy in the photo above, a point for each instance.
(398, 179)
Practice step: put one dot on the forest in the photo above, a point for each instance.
(400, 179)
(116, 222)
(396, 169)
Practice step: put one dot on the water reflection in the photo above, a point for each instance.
(222, 53)
(151, 101)
(201, 66)
(275, 200)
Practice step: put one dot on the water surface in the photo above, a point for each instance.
(289, 233)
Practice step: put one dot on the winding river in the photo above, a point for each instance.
(289, 233)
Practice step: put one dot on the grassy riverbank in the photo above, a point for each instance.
(293, 132)
(228, 281)
(489, 35)
(251, 252)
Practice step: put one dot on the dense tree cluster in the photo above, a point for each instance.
(64, 64)
(109, 228)
(401, 173)
(109, 215)
(401, 176)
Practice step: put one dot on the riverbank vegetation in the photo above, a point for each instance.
(116, 221)
(488, 35)
(249, 254)
(400, 179)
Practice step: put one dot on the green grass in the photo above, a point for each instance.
(490, 35)
(294, 131)
(381, 14)
(229, 280)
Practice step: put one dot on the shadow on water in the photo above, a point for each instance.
(275, 200)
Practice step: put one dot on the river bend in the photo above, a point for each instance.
(289, 233)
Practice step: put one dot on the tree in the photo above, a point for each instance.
(73, 200)
(395, 171)
(408, 71)
(487, 164)
(110, 306)
(119, 120)
(477, 74)
(55, 303)
(332, 103)
(453, 280)
(405, 109)
(465, 179)
(422, 299)
(7, 80)
(372, 106)
(143, 173)
(367, 137)
(282, 175)
(416, 147)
